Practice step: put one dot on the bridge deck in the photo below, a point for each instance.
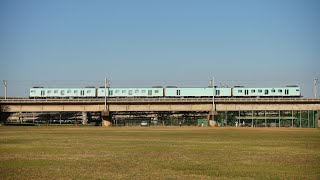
(161, 100)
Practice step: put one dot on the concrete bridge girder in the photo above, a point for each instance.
(160, 107)
(248, 107)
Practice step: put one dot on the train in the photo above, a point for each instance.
(169, 92)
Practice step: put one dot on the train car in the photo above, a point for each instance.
(197, 92)
(40, 92)
(131, 92)
(223, 92)
(172, 91)
(292, 91)
(188, 92)
(102, 92)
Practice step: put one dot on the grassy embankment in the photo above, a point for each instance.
(158, 153)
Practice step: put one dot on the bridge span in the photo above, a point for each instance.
(159, 104)
(257, 112)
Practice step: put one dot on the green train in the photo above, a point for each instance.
(170, 92)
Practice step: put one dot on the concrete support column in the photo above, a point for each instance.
(226, 117)
(251, 118)
(318, 118)
(106, 118)
(84, 117)
(308, 119)
(300, 117)
(313, 120)
(211, 118)
(292, 118)
(279, 119)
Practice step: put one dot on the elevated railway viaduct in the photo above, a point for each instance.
(299, 107)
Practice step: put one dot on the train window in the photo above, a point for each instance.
(239, 91)
(260, 90)
(75, 91)
(55, 91)
(137, 91)
(123, 91)
(33, 91)
(273, 90)
(253, 91)
(130, 92)
(297, 89)
(156, 91)
(143, 91)
(49, 91)
(69, 91)
(280, 90)
(88, 91)
(117, 91)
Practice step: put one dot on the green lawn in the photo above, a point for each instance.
(158, 153)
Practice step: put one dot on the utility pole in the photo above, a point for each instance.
(105, 94)
(4, 82)
(315, 81)
(213, 103)
(213, 106)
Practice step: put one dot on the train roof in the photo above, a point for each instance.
(267, 87)
(62, 87)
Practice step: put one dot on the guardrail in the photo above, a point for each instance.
(164, 100)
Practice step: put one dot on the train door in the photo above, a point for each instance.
(149, 92)
(246, 92)
(178, 92)
(286, 92)
(217, 93)
(266, 92)
(82, 93)
(43, 93)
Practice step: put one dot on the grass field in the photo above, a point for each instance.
(158, 153)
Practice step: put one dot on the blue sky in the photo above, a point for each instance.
(169, 42)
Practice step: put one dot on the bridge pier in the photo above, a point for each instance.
(318, 118)
(84, 118)
(211, 118)
(106, 118)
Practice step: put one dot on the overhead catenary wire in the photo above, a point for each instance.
(149, 83)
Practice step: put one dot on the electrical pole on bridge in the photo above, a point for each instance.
(105, 94)
(315, 81)
(106, 118)
(213, 113)
(5, 83)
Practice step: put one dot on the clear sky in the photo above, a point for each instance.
(169, 42)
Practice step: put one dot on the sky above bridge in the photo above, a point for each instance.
(76, 43)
